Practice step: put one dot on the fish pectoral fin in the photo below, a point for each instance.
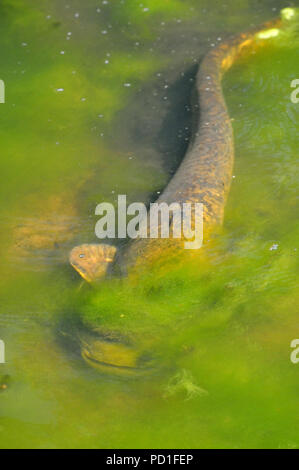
(91, 261)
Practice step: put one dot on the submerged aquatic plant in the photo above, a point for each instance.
(183, 381)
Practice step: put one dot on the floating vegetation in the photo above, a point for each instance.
(111, 115)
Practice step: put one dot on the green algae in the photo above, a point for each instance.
(220, 325)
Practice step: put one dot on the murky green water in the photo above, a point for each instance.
(98, 104)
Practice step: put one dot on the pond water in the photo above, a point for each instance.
(98, 104)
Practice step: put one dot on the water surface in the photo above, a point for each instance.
(98, 104)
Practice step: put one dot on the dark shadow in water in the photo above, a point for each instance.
(176, 130)
(157, 123)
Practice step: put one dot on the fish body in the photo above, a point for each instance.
(204, 175)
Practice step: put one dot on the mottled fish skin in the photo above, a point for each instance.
(204, 175)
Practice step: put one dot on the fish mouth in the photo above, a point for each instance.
(114, 356)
